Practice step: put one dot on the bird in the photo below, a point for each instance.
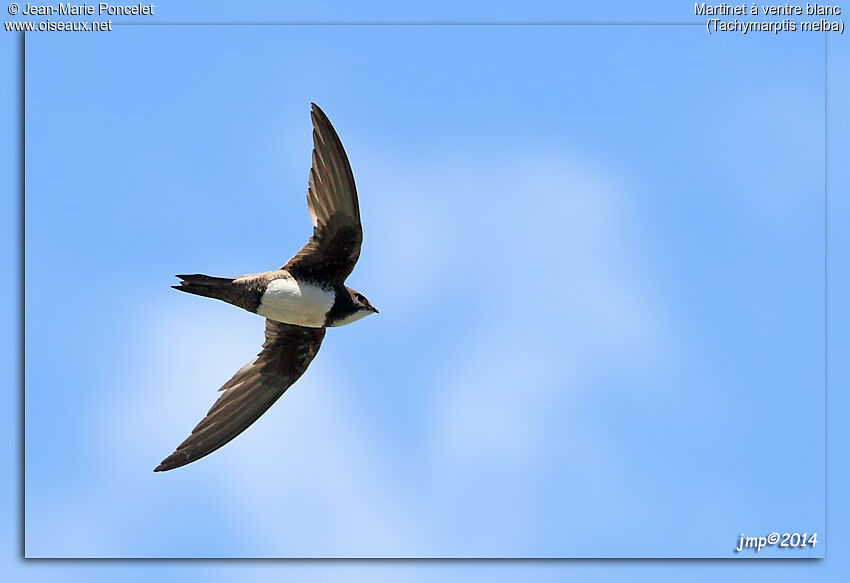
(299, 301)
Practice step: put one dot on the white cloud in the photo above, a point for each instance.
(581, 277)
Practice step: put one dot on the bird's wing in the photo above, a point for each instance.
(332, 251)
(286, 353)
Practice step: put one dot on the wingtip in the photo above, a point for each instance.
(167, 464)
(317, 114)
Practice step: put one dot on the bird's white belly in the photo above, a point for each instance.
(303, 304)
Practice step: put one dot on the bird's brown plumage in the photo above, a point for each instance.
(328, 258)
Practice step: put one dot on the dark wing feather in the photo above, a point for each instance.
(332, 251)
(287, 352)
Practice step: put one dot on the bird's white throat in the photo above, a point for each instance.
(292, 302)
(352, 317)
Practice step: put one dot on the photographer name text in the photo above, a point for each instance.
(100, 9)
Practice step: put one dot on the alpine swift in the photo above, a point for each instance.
(299, 301)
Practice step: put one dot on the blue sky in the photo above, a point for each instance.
(597, 251)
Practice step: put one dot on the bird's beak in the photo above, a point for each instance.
(374, 309)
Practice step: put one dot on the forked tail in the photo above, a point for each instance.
(205, 285)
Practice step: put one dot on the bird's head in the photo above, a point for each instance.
(359, 307)
(361, 302)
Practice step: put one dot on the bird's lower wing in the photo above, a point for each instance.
(287, 352)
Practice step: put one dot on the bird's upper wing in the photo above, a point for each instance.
(332, 251)
(286, 353)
